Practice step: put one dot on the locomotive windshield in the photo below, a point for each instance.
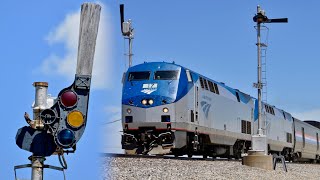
(166, 75)
(138, 76)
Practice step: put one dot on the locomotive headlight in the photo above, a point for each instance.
(129, 111)
(150, 101)
(144, 102)
(165, 110)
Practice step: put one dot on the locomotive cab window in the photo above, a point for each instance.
(166, 75)
(139, 76)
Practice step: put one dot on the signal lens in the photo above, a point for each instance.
(144, 102)
(69, 98)
(75, 119)
(150, 101)
(66, 138)
(129, 111)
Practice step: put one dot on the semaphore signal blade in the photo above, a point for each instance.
(278, 20)
(122, 16)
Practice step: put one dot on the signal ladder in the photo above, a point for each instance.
(263, 55)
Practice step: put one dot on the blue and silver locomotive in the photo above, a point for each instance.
(170, 109)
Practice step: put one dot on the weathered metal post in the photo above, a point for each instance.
(40, 103)
(37, 165)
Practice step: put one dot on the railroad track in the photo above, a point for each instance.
(195, 158)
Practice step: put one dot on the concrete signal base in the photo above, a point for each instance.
(259, 160)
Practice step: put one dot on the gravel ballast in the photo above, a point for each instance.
(144, 168)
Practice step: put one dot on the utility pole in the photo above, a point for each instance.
(258, 156)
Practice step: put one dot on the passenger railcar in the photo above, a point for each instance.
(175, 110)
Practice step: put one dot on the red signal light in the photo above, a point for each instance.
(69, 98)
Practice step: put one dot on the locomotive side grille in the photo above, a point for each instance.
(201, 82)
(205, 84)
(243, 126)
(211, 87)
(165, 118)
(192, 116)
(248, 127)
(289, 137)
(216, 88)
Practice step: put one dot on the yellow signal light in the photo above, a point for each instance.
(75, 119)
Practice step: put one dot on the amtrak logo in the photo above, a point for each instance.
(149, 88)
(205, 108)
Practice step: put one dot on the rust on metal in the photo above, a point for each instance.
(43, 84)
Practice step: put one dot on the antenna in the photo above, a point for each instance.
(259, 18)
(127, 32)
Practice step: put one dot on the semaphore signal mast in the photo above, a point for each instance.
(258, 156)
(259, 18)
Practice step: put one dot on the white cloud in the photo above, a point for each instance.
(67, 34)
(308, 115)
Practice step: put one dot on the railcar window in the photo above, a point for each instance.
(138, 76)
(166, 75)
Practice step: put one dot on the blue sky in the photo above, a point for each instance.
(216, 38)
